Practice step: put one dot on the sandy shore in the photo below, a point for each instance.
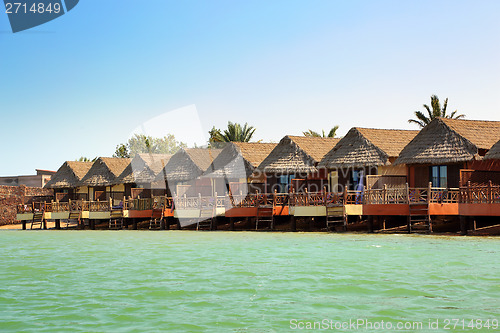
(19, 226)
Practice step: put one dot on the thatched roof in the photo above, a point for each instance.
(450, 140)
(188, 164)
(297, 154)
(239, 159)
(69, 174)
(143, 169)
(362, 147)
(104, 171)
(494, 152)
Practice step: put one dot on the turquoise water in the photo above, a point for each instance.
(143, 281)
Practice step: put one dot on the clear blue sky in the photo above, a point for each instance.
(78, 85)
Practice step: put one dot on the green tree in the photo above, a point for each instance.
(234, 133)
(86, 159)
(434, 111)
(331, 134)
(141, 143)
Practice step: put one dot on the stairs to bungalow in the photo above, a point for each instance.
(419, 219)
(264, 216)
(116, 219)
(74, 218)
(38, 219)
(206, 221)
(156, 221)
(335, 217)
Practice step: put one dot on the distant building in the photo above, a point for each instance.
(41, 178)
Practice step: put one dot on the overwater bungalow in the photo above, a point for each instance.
(101, 179)
(364, 158)
(292, 164)
(64, 182)
(232, 171)
(139, 176)
(366, 152)
(446, 146)
(182, 171)
(444, 157)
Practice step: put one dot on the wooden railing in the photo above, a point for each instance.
(466, 194)
(480, 194)
(418, 195)
(386, 196)
(99, 206)
(354, 197)
(444, 195)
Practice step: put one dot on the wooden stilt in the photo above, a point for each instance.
(134, 224)
(92, 224)
(162, 224)
(293, 223)
(44, 224)
(231, 223)
(463, 225)
(370, 224)
(24, 225)
(58, 224)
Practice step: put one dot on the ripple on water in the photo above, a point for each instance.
(240, 282)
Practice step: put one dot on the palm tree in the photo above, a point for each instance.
(436, 112)
(331, 134)
(234, 133)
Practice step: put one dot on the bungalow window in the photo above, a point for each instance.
(285, 181)
(439, 174)
(356, 179)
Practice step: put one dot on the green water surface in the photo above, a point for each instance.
(183, 281)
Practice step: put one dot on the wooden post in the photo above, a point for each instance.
(383, 222)
(370, 224)
(24, 225)
(92, 224)
(162, 223)
(429, 193)
(58, 224)
(463, 225)
(294, 223)
(490, 192)
(231, 223)
(134, 224)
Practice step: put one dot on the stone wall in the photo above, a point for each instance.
(11, 196)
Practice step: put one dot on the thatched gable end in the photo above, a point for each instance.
(449, 141)
(362, 147)
(188, 164)
(494, 152)
(239, 159)
(297, 154)
(143, 169)
(105, 171)
(69, 174)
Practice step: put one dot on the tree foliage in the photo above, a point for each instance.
(86, 159)
(331, 133)
(141, 143)
(234, 133)
(434, 111)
